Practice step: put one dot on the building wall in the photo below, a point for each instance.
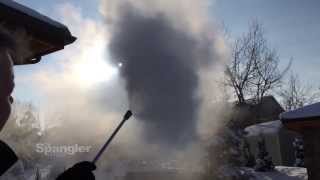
(312, 153)
(251, 113)
(272, 146)
(279, 146)
(286, 147)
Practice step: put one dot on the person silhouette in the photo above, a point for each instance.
(8, 55)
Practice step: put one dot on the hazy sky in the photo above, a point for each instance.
(292, 27)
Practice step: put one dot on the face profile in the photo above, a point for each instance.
(6, 84)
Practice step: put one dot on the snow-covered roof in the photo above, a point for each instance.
(306, 112)
(30, 12)
(271, 127)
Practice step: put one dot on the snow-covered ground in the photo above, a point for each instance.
(281, 173)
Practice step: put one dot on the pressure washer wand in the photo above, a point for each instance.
(104, 147)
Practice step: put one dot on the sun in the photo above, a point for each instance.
(91, 66)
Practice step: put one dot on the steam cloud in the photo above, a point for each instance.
(168, 50)
(163, 46)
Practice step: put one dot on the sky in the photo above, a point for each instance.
(292, 28)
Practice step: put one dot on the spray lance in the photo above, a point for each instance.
(83, 170)
(104, 147)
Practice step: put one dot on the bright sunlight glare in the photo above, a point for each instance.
(92, 67)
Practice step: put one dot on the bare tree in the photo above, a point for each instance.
(295, 94)
(268, 75)
(241, 70)
(254, 68)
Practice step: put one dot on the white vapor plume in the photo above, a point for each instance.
(71, 89)
(190, 14)
(173, 84)
(177, 38)
(173, 57)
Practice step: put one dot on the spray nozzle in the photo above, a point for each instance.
(127, 115)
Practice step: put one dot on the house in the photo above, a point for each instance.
(251, 113)
(261, 121)
(278, 141)
(306, 121)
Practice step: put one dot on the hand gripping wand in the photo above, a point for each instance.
(104, 147)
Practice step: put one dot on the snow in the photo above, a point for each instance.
(309, 111)
(31, 12)
(271, 127)
(280, 173)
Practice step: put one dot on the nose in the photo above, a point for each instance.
(11, 99)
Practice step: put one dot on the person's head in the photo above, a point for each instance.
(7, 51)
